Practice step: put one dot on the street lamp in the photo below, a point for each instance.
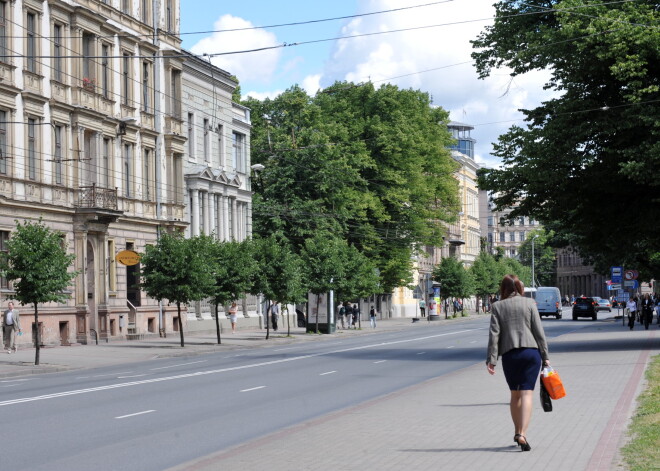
(533, 283)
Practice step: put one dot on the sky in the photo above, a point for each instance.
(432, 55)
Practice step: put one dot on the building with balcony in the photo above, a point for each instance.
(91, 141)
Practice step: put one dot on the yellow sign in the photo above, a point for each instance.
(128, 257)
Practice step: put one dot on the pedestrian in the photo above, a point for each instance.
(572, 299)
(647, 310)
(342, 315)
(356, 314)
(11, 322)
(349, 314)
(274, 314)
(372, 317)
(657, 309)
(631, 305)
(422, 308)
(232, 316)
(516, 334)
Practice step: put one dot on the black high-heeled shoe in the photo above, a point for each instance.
(515, 437)
(524, 446)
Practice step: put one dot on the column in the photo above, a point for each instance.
(225, 218)
(194, 223)
(207, 213)
(234, 219)
(212, 220)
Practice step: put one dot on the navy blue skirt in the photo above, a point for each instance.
(522, 367)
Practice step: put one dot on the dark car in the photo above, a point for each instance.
(585, 307)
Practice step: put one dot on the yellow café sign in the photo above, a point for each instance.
(128, 257)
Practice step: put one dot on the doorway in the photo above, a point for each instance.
(64, 334)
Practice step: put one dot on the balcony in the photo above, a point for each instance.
(98, 198)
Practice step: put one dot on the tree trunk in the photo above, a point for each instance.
(268, 320)
(318, 300)
(178, 309)
(217, 323)
(37, 340)
(288, 321)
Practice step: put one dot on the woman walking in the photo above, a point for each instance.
(232, 316)
(516, 334)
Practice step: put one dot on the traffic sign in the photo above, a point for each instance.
(614, 286)
(630, 274)
(617, 273)
(631, 284)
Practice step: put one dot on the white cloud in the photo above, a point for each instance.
(258, 67)
(312, 84)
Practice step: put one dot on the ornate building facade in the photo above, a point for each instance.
(92, 142)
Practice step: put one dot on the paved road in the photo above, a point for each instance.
(413, 395)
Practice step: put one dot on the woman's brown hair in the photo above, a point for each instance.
(511, 284)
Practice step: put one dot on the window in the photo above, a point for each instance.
(31, 42)
(512, 253)
(221, 147)
(105, 175)
(207, 142)
(126, 6)
(145, 12)
(502, 236)
(238, 152)
(3, 142)
(146, 101)
(169, 12)
(4, 238)
(521, 219)
(191, 136)
(512, 236)
(89, 77)
(128, 170)
(58, 155)
(3, 31)
(126, 79)
(522, 236)
(175, 92)
(148, 174)
(32, 149)
(57, 52)
(105, 70)
(490, 238)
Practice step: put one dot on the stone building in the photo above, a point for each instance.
(92, 142)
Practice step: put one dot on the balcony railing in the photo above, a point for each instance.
(95, 197)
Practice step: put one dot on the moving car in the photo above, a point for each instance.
(603, 305)
(585, 307)
(548, 301)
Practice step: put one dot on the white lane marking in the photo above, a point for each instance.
(421, 353)
(9, 385)
(137, 413)
(221, 370)
(101, 376)
(380, 361)
(283, 349)
(180, 364)
(131, 376)
(15, 380)
(327, 373)
(252, 389)
(451, 346)
(474, 341)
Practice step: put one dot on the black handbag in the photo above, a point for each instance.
(546, 402)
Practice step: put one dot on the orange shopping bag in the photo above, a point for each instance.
(552, 383)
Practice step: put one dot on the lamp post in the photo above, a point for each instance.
(533, 283)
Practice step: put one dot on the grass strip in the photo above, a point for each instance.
(642, 452)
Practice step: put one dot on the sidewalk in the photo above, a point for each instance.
(454, 422)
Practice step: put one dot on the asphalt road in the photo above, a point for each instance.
(155, 415)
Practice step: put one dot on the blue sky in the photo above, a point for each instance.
(432, 56)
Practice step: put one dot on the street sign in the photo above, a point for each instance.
(631, 284)
(630, 274)
(617, 273)
(614, 286)
(128, 257)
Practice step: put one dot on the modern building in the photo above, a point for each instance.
(92, 142)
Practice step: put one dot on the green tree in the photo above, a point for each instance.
(279, 274)
(37, 263)
(545, 270)
(370, 166)
(511, 266)
(485, 276)
(454, 279)
(589, 156)
(235, 268)
(179, 270)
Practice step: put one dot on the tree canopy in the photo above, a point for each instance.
(368, 165)
(589, 157)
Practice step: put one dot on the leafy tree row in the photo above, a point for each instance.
(481, 279)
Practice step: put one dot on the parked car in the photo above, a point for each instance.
(548, 301)
(585, 307)
(603, 305)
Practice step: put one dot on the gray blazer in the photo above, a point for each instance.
(515, 323)
(17, 320)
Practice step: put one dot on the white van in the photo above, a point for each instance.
(548, 301)
(530, 292)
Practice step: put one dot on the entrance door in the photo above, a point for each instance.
(64, 333)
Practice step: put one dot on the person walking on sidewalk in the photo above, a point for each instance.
(647, 310)
(516, 334)
(11, 322)
(372, 317)
(349, 314)
(274, 315)
(631, 305)
(232, 316)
